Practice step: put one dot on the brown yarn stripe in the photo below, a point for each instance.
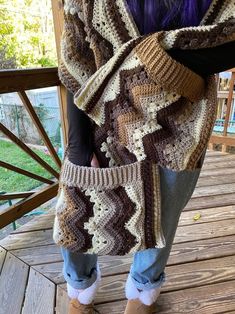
(79, 217)
(72, 221)
(67, 79)
(124, 240)
(117, 21)
(150, 239)
(214, 13)
(102, 48)
(79, 51)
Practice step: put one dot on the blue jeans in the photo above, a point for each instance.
(147, 269)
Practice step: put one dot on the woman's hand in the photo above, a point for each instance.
(94, 161)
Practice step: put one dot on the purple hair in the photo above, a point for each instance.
(167, 14)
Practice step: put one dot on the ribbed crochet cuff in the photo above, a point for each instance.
(168, 73)
(82, 176)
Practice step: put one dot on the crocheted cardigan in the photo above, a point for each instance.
(148, 110)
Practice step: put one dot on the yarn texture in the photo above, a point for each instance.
(147, 111)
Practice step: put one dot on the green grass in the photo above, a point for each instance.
(13, 182)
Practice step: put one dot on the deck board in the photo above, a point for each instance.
(40, 294)
(216, 171)
(27, 239)
(224, 199)
(216, 179)
(217, 158)
(200, 270)
(42, 222)
(214, 190)
(216, 298)
(62, 301)
(13, 281)
(207, 215)
(220, 164)
(36, 255)
(2, 257)
(205, 230)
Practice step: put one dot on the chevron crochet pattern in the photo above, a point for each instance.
(148, 111)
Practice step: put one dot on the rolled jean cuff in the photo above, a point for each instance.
(150, 285)
(80, 284)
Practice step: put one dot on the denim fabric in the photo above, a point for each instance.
(147, 269)
(79, 269)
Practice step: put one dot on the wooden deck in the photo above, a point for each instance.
(200, 271)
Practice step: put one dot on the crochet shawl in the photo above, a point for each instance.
(148, 111)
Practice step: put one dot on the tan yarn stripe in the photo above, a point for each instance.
(168, 73)
(82, 176)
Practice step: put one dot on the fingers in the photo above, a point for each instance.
(95, 162)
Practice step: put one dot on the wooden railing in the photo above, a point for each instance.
(225, 139)
(19, 81)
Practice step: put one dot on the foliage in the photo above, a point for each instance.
(20, 120)
(41, 112)
(56, 140)
(6, 62)
(26, 33)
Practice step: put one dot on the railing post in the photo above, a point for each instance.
(225, 139)
(228, 110)
(57, 10)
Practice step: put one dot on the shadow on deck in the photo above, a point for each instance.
(200, 271)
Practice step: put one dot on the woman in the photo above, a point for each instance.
(147, 275)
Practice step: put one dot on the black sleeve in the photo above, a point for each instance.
(80, 134)
(207, 60)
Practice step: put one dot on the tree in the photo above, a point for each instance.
(6, 62)
(26, 33)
